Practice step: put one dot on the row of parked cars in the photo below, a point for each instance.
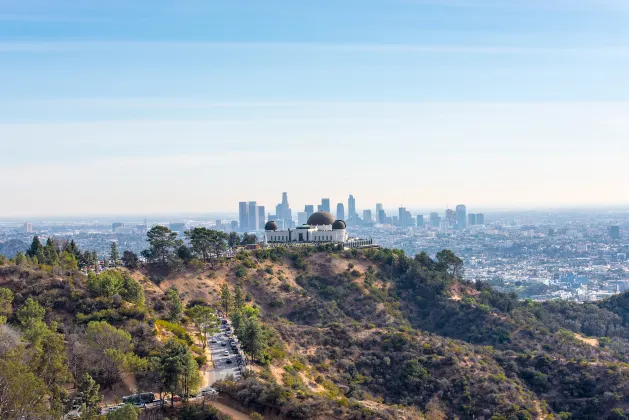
(231, 341)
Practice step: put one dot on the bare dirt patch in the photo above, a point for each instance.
(591, 341)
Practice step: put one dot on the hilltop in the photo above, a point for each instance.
(366, 334)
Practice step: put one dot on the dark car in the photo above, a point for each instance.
(229, 361)
(224, 344)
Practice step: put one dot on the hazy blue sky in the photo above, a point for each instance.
(190, 106)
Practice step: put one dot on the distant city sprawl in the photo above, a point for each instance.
(570, 254)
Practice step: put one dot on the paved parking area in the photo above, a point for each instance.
(222, 369)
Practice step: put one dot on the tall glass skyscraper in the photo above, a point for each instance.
(461, 216)
(340, 211)
(253, 221)
(325, 205)
(351, 209)
(243, 216)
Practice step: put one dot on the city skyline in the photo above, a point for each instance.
(285, 219)
(515, 104)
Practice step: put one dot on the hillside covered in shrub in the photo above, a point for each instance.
(369, 333)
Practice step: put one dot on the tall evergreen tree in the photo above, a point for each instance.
(72, 248)
(114, 254)
(51, 253)
(233, 239)
(175, 307)
(239, 300)
(36, 248)
(178, 369)
(90, 397)
(253, 341)
(130, 260)
(226, 299)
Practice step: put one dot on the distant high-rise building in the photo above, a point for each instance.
(116, 225)
(614, 232)
(420, 220)
(480, 219)
(261, 217)
(234, 225)
(243, 216)
(379, 207)
(278, 211)
(219, 224)
(367, 216)
(402, 217)
(435, 220)
(309, 209)
(253, 222)
(382, 216)
(351, 209)
(325, 205)
(450, 216)
(28, 228)
(471, 219)
(282, 210)
(179, 227)
(302, 218)
(461, 216)
(340, 211)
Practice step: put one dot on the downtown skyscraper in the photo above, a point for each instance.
(253, 219)
(340, 211)
(461, 216)
(351, 209)
(325, 205)
(243, 216)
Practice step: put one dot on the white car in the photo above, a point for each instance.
(226, 353)
(209, 391)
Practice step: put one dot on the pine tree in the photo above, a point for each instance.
(226, 299)
(51, 254)
(36, 248)
(74, 249)
(238, 298)
(90, 397)
(253, 341)
(115, 254)
(233, 239)
(175, 307)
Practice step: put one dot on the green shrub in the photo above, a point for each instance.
(179, 331)
(201, 360)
